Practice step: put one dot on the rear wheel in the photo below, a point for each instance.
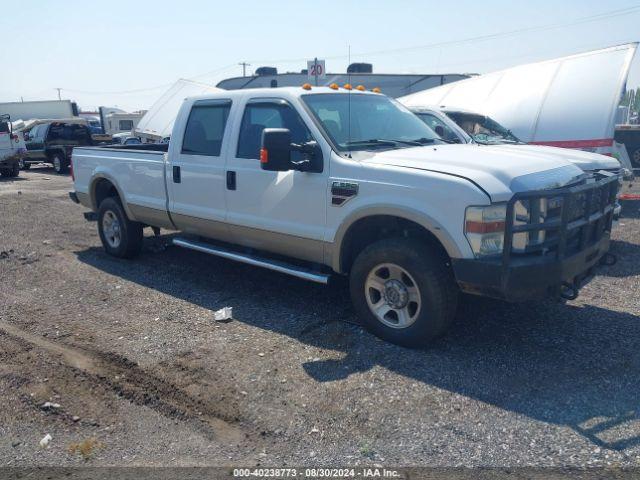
(25, 166)
(12, 171)
(403, 292)
(120, 236)
(60, 163)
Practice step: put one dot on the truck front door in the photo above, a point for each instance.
(281, 212)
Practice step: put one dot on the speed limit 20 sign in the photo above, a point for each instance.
(315, 69)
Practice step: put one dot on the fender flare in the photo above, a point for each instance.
(427, 222)
(92, 192)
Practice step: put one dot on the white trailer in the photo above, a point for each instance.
(567, 102)
(41, 109)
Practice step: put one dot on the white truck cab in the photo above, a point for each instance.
(320, 181)
(12, 149)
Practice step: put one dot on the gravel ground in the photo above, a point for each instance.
(139, 373)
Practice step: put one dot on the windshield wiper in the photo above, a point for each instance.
(373, 141)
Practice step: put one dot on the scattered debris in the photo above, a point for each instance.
(46, 242)
(75, 418)
(261, 354)
(16, 443)
(314, 430)
(223, 315)
(86, 448)
(366, 450)
(50, 406)
(4, 254)
(44, 443)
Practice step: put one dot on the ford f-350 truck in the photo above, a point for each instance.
(314, 182)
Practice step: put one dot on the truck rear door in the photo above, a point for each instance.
(35, 143)
(196, 176)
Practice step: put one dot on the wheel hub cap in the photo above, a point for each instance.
(393, 295)
(111, 229)
(396, 294)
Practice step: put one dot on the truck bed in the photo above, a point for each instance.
(138, 172)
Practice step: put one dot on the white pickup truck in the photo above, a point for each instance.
(320, 181)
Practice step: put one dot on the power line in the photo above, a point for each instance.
(157, 87)
(244, 68)
(479, 38)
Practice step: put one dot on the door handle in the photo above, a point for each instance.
(176, 174)
(231, 180)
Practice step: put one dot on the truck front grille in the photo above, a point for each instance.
(562, 221)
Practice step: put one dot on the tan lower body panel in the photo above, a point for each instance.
(279, 243)
(151, 216)
(282, 244)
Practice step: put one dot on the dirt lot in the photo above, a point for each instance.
(140, 374)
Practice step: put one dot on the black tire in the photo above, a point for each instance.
(635, 158)
(26, 166)
(6, 172)
(427, 272)
(60, 163)
(15, 171)
(130, 233)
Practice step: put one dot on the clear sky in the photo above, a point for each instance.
(95, 51)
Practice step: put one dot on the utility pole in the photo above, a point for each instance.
(244, 68)
(59, 90)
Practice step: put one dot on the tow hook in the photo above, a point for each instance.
(608, 259)
(568, 291)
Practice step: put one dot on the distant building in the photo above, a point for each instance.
(391, 84)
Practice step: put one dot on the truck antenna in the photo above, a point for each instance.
(349, 103)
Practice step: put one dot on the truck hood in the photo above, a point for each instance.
(587, 161)
(499, 171)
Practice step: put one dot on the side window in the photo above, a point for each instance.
(258, 116)
(4, 127)
(55, 132)
(126, 125)
(438, 126)
(205, 129)
(74, 132)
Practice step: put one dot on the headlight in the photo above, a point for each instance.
(484, 229)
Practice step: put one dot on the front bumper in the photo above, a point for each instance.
(527, 279)
(576, 222)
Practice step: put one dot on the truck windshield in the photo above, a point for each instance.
(483, 129)
(368, 122)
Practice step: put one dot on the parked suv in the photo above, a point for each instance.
(52, 142)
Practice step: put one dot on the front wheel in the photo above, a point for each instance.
(120, 236)
(403, 292)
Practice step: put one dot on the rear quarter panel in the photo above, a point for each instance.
(138, 176)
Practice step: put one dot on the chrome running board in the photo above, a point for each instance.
(293, 270)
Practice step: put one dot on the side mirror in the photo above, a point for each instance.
(439, 131)
(275, 154)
